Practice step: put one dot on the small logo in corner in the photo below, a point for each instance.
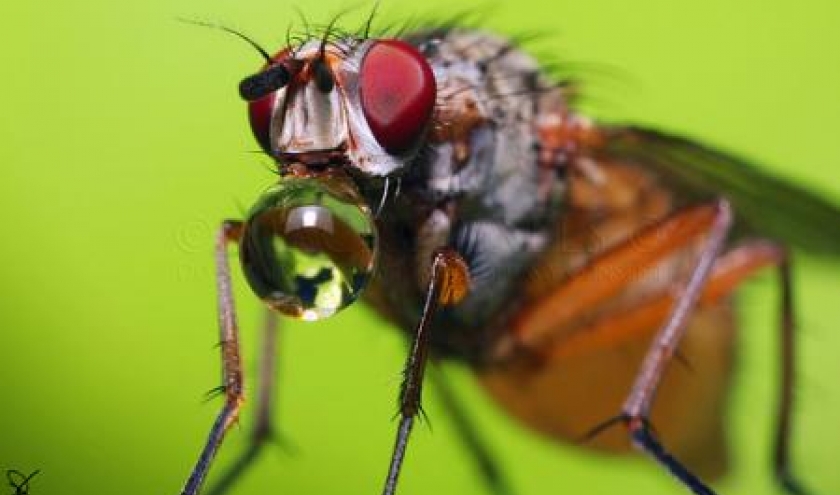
(19, 481)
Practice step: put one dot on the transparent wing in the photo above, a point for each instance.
(765, 205)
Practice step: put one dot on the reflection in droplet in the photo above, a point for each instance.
(309, 246)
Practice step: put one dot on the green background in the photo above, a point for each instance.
(123, 143)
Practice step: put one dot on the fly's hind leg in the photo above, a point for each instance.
(729, 271)
(737, 264)
(636, 408)
(536, 328)
(262, 432)
(784, 425)
(713, 278)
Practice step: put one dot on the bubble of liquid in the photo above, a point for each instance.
(308, 247)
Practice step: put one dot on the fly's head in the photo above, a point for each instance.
(333, 115)
(359, 105)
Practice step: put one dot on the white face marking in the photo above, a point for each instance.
(313, 121)
(307, 120)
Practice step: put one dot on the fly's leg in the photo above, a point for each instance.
(624, 263)
(637, 406)
(639, 321)
(729, 271)
(589, 287)
(230, 231)
(448, 284)
(784, 431)
(535, 329)
(262, 432)
(737, 264)
(457, 410)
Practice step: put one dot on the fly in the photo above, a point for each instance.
(568, 262)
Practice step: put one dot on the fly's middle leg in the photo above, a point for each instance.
(448, 284)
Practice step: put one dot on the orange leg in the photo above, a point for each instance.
(641, 320)
(637, 406)
(610, 274)
(617, 270)
(712, 278)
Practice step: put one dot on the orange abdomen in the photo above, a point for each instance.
(565, 397)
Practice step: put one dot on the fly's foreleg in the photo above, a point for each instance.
(229, 232)
(262, 432)
(448, 284)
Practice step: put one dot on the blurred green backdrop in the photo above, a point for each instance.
(123, 143)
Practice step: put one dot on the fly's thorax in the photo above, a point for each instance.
(481, 188)
(484, 142)
(446, 118)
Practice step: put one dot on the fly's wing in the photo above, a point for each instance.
(764, 204)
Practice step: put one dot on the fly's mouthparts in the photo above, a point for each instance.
(315, 159)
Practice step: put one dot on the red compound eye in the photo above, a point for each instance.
(398, 94)
(259, 113)
(261, 109)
